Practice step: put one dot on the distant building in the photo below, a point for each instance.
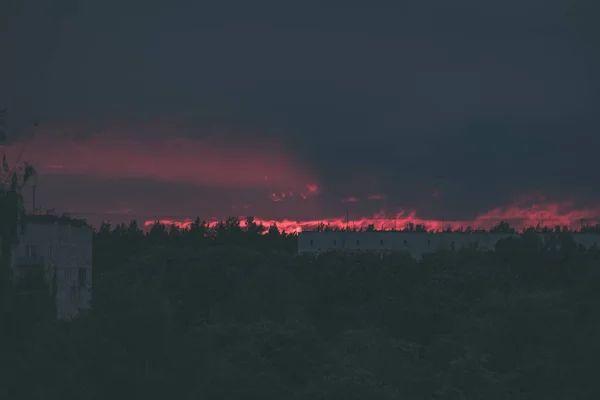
(414, 243)
(63, 249)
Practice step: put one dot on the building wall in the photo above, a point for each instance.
(66, 251)
(415, 243)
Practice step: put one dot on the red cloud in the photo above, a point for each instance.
(312, 188)
(213, 162)
(275, 197)
(219, 163)
(544, 214)
(519, 216)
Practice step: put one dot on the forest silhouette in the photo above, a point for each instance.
(231, 312)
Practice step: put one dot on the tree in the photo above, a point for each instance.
(12, 211)
(502, 227)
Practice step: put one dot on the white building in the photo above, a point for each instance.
(63, 248)
(415, 243)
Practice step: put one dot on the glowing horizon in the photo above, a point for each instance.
(259, 178)
(519, 217)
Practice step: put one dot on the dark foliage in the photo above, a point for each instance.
(232, 313)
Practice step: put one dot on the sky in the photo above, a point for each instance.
(468, 111)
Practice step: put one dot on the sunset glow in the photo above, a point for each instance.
(544, 215)
(281, 185)
(213, 161)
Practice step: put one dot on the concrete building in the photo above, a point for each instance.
(63, 249)
(415, 243)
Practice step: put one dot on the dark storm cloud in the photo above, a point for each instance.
(498, 98)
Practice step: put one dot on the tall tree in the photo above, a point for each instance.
(12, 180)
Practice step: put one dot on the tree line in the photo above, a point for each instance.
(230, 312)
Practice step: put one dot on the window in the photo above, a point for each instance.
(428, 242)
(452, 245)
(31, 251)
(358, 242)
(82, 277)
(381, 242)
(406, 242)
(334, 242)
(311, 242)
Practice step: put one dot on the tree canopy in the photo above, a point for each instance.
(13, 177)
(230, 312)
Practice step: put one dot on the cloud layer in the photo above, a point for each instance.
(217, 161)
(306, 113)
(118, 176)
